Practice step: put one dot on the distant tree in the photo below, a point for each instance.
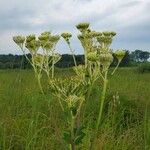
(140, 56)
(144, 56)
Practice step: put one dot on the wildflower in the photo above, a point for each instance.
(66, 36)
(120, 54)
(38, 59)
(33, 46)
(47, 45)
(54, 39)
(82, 26)
(113, 33)
(106, 33)
(106, 58)
(31, 37)
(92, 56)
(19, 40)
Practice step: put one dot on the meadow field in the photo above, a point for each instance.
(32, 121)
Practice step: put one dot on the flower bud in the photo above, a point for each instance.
(82, 27)
(92, 56)
(29, 38)
(106, 58)
(33, 46)
(120, 54)
(47, 45)
(38, 59)
(19, 40)
(43, 37)
(113, 33)
(54, 39)
(66, 36)
(106, 33)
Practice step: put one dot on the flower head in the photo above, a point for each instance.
(33, 46)
(54, 39)
(92, 56)
(66, 36)
(82, 27)
(106, 58)
(19, 40)
(31, 37)
(120, 54)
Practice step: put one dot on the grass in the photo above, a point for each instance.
(31, 121)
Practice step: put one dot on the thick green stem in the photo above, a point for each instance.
(72, 132)
(102, 101)
(39, 83)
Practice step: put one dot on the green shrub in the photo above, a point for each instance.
(144, 67)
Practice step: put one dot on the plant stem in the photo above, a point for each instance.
(102, 101)
(75, 63)
(52, 65)
(72, 132)
(39, 83)
(116, 68)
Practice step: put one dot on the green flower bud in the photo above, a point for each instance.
(96, 34)
(66, 36)
(46, 33)
(33, 46)
(43, 37)
(113, 33)
(47, 45)
(92, 56)
(83, 25)
(38, 59)
(120, 54)
(54, 38)
(29, 38)
(105, 39)
(19, 40)
(106, 33)
(88, 35)
(106, 58)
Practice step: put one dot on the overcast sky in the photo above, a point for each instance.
(129, 18)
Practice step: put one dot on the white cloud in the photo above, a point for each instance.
(129, 18)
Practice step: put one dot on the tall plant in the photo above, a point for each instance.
(74, 91)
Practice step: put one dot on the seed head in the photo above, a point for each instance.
(19, 40)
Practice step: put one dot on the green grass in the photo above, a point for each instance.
(31, 121)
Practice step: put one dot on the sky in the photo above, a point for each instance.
(129, 18)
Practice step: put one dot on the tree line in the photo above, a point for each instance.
(19, 61)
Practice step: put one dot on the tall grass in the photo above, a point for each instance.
(31, 121)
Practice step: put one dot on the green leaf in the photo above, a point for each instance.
(67, 136)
